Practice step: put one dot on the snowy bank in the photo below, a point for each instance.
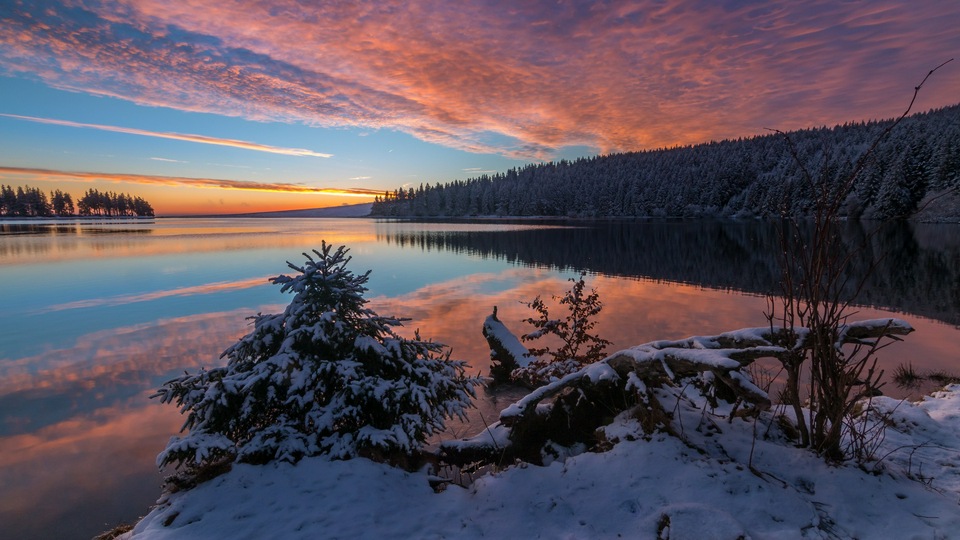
(716, 481)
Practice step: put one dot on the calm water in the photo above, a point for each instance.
(96, 315)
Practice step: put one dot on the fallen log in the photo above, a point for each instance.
(507, 353)
(571, 408)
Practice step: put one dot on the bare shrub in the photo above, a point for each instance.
(579, 346)
(816, 295)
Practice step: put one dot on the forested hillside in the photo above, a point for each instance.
(745, 177)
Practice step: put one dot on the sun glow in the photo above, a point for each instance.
(173, 195)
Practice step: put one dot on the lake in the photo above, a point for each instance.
(96, 315)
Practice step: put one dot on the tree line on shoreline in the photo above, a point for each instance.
(26, 201)
(751, 177)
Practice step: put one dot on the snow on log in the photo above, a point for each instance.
(653, 366)
(490, 442)
(859, 331)
(548, 390)
(569, 410)
(507, 353)
(722, 355)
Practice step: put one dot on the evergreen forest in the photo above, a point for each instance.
(748, 177)
(26, 201)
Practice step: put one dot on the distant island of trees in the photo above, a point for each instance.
(26, 201)
(749, 177)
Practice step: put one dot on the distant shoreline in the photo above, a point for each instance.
(345, 211)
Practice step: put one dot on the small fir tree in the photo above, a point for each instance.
(578, 345)
(328, 376)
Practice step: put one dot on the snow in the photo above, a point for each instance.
(874, 323)
(338, 365)
(496, 435)
(534, 397)
(719, 481)
(493, 327)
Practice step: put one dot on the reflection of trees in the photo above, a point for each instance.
(914, 277)
(38, 243)
(32, 239)
(910, 277)
(57, 229)
(10, 229)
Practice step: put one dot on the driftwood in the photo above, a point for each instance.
(507, 353)
(569, 410)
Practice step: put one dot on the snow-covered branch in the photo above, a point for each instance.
(575, 405)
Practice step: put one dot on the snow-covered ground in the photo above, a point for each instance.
(705, 486)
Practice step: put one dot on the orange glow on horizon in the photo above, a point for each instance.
(184, 203)
(170, 195)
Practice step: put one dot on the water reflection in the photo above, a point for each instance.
(87, 335)
(86, 418)
(78, 438)
(917, 265)
(635, 311)
(13, 228)
(45, 242)
(206, 288)
(107, 367)
(83, 475)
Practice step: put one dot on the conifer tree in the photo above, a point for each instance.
(327, 376)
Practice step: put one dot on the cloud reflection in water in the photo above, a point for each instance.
(86, 417)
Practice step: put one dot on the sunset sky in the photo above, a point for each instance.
(204, 106)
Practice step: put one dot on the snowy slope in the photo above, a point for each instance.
(700, 488)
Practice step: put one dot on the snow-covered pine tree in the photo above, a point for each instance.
(328, 376)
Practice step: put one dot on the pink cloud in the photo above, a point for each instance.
(534, 77)
(202, 139)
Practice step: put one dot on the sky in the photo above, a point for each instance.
(205, 107)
